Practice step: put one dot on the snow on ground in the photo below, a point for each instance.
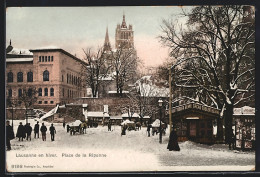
(109, 151)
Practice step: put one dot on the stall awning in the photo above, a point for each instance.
(97, 114)
(192, 118)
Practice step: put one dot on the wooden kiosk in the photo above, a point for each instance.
(194, 122)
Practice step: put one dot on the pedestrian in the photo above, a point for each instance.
(243, 139)
(148, 129)
(64, 124)
(173, 141)
(109, 126)
(124, 127)
(20, 132)
(68, 128)
(232, 140)
(85, 128)
(28, 131)
(52, 132)
(43, 131)
(36, 129)
(9, 135)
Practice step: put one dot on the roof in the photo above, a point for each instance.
(50, 113)
(116, 117)
(146, 117)
(97, 114)
(17, 51)
(134, 115)
(13, 60)
(56, 50)
(246, 110)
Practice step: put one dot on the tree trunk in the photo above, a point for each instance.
(220, 129)
(228, 123)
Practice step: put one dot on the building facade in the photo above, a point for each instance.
(54, 73)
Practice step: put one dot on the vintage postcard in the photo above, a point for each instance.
(130, 89)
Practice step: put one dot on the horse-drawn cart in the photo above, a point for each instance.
(156, 127)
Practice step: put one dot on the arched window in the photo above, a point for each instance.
(29, 92)
(51, 58)
(10, 93)
(67, 78)
(20, 77)
(45, 58)
(30, 76)
(20, 92)
(10, 77)
(40, 58)
(40, 91)
(52, 91)
(46, 75)
(62, 78)
(46, 92)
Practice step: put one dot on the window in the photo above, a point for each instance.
(40, 58)
(45, 102)
(63, 92)
(51, 102)
(46, 75)
(20, 77)
(10, 93)
(52, 91)
(62, 78)
(45, 92)
(19, 92)
(51, 58)
(40, 91)
(40, 102)
(68, 93)
(67, 78)
(29, 92)
(45, 58)
(30, 76)
(10, 77)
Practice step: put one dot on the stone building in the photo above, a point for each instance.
(54, 73)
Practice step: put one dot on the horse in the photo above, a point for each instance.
(138, 126)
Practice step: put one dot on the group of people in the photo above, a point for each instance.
(24, 131)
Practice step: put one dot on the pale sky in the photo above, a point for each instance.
(75, 28)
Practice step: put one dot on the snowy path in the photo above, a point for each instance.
(100, 150)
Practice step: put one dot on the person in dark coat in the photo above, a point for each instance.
(173, 141)
(109, 126)
(148, 129)
(28, 131)
(68, 128)
(232, 141)
(43, 131)
(36, 130)
(63, 124)
(9, 135)
(124, 129)
(20, 132)
(52, 132)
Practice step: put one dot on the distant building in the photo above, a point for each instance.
(54, 73)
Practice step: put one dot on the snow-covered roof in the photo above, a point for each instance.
(10, 60)
(146, 117)
(76, 123)
(156, 123)
(127, 121)
(116, 117)
(246, 110)
(134, 115)
(113, 91)
(17, 51)
(50, 113)
(84, 105)
(97, 114)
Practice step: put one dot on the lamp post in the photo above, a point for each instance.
(160, 106)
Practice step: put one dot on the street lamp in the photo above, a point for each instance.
(160, 106)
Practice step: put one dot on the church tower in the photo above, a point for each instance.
(124, 35)
(107, 45)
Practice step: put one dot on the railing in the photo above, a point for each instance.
(195, 106)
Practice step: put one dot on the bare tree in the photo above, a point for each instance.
(27, 97)
(124, 63)
(216, 53)
(94, 70)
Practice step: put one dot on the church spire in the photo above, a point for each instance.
(10, 42)
(107, 46)
(123, 22)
